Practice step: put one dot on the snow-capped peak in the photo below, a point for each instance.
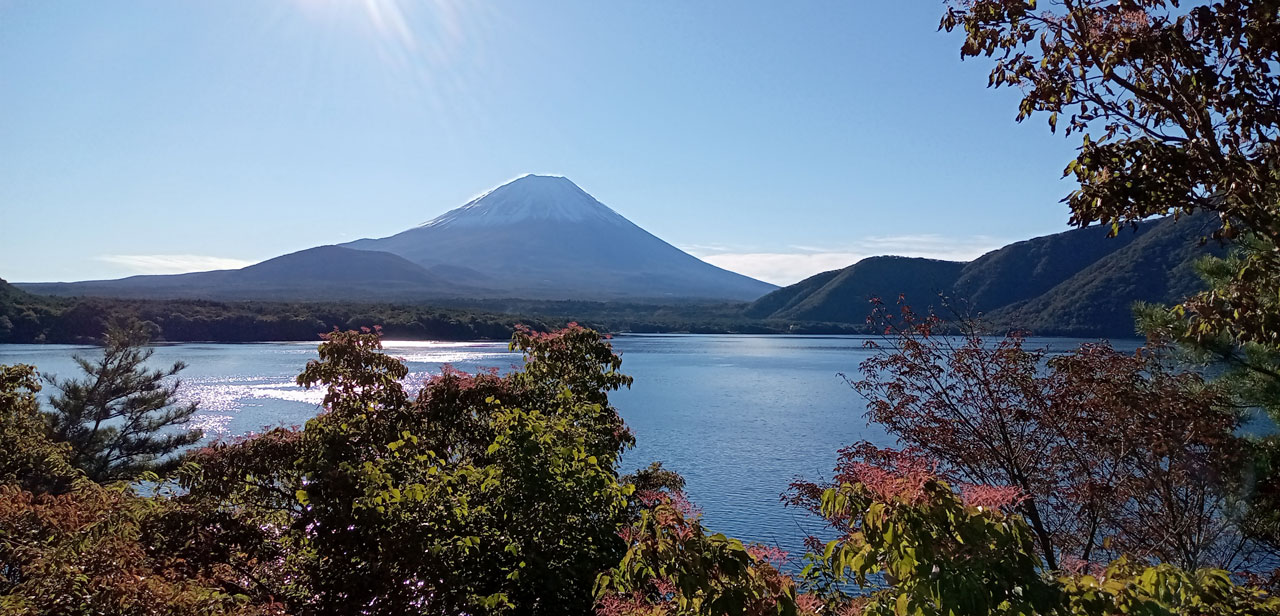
(530, 198)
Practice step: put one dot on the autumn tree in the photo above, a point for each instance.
(71, 546)
(1175, 105)
(92, 551)
(1113, 453)
(1175, 102)
(121, 418)
(674, 565)
(1176, 108)
(917, 546)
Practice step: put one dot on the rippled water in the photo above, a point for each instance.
(739, 416)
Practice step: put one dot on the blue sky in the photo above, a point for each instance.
(777, 139)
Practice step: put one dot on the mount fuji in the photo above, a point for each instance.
(535, 237)
(543, 237)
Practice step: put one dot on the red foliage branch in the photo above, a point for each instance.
(1102, 452)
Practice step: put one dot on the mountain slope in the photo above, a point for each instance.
(1157, 266)
(846, 297)
(325, 272)
(22, 313)
(787, 297)
(1027, 269)
(542, 237)
(10, 294)
(1078, 282)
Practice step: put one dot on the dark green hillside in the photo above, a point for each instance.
(844, 298)
(9, 292)
(1158, 266)
(28, 318)
(786, 297)
(196, 320)
(1026, 269)
(22, 314)
(1078, 282)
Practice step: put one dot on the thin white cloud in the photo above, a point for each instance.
(803, 248)
(931, 244)
(783, 268)
(173, 264)
(707, 248)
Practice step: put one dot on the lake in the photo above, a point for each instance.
(739, 416)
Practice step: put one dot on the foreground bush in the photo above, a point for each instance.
(483, 494)
(489, 494)
(939, 552)
(907, 544)
(71, 546)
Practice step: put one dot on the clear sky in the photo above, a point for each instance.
(778, 139)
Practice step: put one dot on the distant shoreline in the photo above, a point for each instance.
(615, 335)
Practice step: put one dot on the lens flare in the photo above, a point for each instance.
(415, 32)
(432, 52)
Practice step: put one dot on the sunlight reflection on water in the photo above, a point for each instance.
(213, 426)
(433, 352)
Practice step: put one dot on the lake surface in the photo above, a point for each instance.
(739, 416)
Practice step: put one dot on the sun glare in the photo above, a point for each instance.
(428, 31)
(431, 50)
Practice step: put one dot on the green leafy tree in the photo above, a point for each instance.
(30, 460)
(121, 418)
(485, 494)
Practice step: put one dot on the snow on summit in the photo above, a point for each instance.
(530, 198)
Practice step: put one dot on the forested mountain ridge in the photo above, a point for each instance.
(1026, 269)
(1157, 266)
(9, 292)
(786, 297)
(22, 314)
(846, 291)
(1077, 282)
(35, 319)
